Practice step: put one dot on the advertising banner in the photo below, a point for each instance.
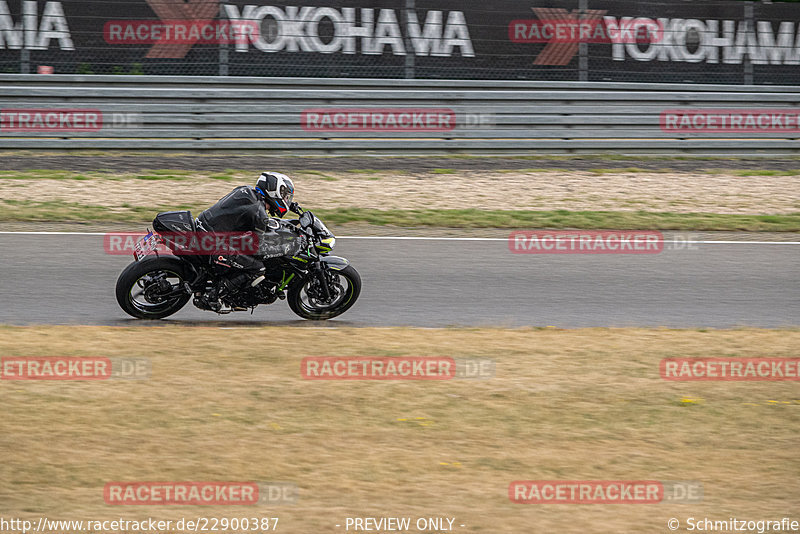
(673, 41)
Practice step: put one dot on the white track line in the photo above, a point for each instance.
(58, 233)
(506, 240)
(420, 238)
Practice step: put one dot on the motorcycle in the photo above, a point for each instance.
(316, 285)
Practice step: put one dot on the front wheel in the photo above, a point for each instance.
(308, 299)
(152, 288)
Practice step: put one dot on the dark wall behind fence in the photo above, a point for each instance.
(673, 41)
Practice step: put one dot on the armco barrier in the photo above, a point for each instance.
(372, 116)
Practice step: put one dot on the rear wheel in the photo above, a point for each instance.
(147, 289)
(308, 299)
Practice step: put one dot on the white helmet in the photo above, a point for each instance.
(278, 191)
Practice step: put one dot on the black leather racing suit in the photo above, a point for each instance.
(241, 210)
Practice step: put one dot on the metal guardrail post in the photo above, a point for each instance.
(750, 23)
(24, 60)
(410, 56)
(223, 46)
(28, 36)
(583, 48)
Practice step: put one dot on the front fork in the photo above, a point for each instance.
(320, 271)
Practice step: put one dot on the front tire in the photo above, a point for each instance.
(141, 284)
(347, 287)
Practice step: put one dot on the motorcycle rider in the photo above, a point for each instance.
(246, 209)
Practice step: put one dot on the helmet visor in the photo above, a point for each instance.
(287, 195)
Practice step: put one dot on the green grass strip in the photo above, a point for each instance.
(15, 210)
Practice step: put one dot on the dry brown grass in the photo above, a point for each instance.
(534, 189)
(231, 405)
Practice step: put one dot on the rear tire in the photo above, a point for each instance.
(131, 295)
(305, 308)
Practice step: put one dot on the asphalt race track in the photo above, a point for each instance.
(68, 279)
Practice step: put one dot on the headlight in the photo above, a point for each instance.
(326, 245)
